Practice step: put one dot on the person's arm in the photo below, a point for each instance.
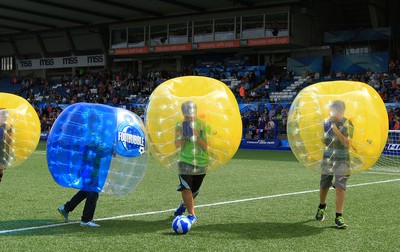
(203, 144)
(327, 129)
(343, 140)
(179, 139)
(179, 142)
(8, 136)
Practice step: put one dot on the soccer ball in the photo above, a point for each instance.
(181, 224)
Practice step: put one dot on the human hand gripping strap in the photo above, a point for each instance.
(327, 125)
(187, 131)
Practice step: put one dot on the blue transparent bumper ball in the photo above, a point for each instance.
(97, 148)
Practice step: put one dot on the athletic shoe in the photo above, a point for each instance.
(320, 216)
(180, 210)
(339, 221)
(89, 224)
(192, 219)
(63, 213)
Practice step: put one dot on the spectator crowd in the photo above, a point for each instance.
(132, 91)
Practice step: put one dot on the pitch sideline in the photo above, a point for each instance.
(199, 206)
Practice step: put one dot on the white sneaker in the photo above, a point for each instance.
(89, 224)
(63, 213)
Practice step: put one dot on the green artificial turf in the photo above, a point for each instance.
(259, 201)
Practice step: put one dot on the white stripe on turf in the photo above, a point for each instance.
(199, 206)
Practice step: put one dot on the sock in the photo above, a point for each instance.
(338, 215)
(1, 176)
(322, 206)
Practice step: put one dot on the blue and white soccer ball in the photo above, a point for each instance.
(181, 224)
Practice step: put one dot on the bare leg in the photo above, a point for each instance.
(339, 200)
(188, 200)
(322, 195)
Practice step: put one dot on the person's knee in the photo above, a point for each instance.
(92, 195)
(195, 193)
(341, 182)
(186, 190)
(339, 186)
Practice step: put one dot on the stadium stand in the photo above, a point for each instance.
(127, 60)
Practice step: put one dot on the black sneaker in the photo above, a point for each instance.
(320, 216)
(339, 221)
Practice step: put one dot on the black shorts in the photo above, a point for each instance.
(191, 182)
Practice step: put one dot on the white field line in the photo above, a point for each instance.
(199, 206)
(382, 172)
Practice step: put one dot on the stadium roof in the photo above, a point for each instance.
(21, 16)
(60, 27)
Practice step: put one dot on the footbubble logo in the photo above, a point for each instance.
(131, 140)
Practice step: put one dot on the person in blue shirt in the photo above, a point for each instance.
(93, 153)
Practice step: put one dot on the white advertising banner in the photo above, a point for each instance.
(61, 62)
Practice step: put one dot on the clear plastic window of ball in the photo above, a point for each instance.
(338, 122)
(19, 130)
(194, 124)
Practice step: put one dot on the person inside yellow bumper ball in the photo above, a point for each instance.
(337, 128)
(191, 139)
(194, 127)
(338, 131)
(5, 141)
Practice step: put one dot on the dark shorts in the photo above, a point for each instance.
(339, 169)
(335, 167)
(340, 181)
(190, 182)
